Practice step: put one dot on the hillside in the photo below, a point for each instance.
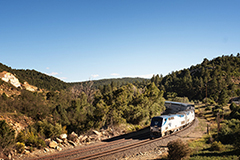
(115, 81)
(36, 78)
(50, 83)
(216, 79)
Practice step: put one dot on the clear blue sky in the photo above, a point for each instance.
(78, 40)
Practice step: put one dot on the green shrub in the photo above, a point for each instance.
(177, 150)
(217, 146)
(217, 109)
(208, 108)
(31, 139)
(48, 130)
(7, 136)
(229, 131)
(20, 147)
(21, 137)
(209, 101)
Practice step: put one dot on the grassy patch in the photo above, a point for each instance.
(202, 150)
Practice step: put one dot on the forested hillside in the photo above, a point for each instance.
(36, 78)
(50, 83)
(77, 108)
(117, 82)
(217, 79)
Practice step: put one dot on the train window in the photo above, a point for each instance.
(156, 121)
(181, 115)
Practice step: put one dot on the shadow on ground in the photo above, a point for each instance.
(141, 134)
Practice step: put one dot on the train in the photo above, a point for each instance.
(176, 116)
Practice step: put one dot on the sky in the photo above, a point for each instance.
(81, 40)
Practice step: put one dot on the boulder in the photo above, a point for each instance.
(84, 139)
(26, 152)
(53, 144)
(59, 148)
(99, 134)
(63, 136)
(65, 141)
(47, 141)
(46, 149)
(73, 137)
(59, 140)
(72, 143)
(80, 137)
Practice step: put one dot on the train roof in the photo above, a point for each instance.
(169, 115)
(178, 103)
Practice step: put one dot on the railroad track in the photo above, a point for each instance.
(119, 147)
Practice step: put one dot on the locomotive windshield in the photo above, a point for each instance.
(156, 121)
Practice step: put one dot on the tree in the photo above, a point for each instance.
(7, 136)
(223, 98)
(60, 115)
(155, 100)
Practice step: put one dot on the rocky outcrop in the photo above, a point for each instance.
(29, 87)
(9, 77)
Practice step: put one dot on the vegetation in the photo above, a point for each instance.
(80, 109)
(65, 107)
(222, 142)
(117, 82)
(216, 79)
(7, 137)
(36, 78)
(178, 150)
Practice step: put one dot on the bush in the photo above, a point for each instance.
(7, 136)
(209, 101)
(30, 139)
(217, 109)
(177, 150)
(48, 130)
(208, 108)
(229, 131)
(217, 146)
(21, 137)
(20, 147)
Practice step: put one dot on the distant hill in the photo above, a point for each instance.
(51, 83)
(117, 82)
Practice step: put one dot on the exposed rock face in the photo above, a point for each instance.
(29, 87)
(9, 77)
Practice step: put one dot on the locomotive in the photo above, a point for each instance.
(176, 116)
